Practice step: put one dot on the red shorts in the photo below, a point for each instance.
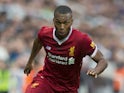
(41, 85)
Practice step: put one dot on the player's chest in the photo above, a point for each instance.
(65, 49)
(61, 54)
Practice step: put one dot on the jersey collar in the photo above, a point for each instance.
(63, 40)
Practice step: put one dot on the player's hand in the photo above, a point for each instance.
(28, 69)
(93, 73)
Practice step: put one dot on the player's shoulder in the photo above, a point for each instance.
(46, 29)
(80, 33)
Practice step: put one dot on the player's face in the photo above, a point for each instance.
(62, 23)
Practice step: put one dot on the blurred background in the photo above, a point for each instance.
(20, 21)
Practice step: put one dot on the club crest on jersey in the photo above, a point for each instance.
(71, 51)
(92, 45)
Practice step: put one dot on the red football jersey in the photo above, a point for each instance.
(63, 59)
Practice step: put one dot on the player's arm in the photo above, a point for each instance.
(36, 48)
(101, 65)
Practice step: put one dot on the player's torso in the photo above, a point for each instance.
(63, 59)
(63, 53)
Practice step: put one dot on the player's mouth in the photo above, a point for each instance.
(62, 32)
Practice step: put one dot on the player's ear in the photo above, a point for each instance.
(71, 21)
(53, 19)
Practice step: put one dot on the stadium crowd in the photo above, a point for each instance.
(20, 21)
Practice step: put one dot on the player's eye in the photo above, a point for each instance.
(58, 22)
(66, 22)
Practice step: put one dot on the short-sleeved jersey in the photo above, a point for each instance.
(63, 59)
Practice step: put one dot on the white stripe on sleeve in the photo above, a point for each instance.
(94, 53)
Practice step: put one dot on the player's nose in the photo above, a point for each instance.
(62, 26)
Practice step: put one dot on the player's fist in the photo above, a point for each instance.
(28, 69)
(92, 72)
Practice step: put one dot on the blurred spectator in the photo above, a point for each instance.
(4, 22)
(4, 77)
(118, 81)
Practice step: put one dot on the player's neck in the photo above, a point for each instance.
(59, 36)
